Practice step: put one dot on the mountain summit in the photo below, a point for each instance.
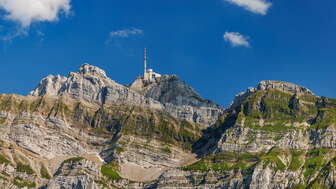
(167, 93)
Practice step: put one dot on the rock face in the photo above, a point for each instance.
(278, 135)
(179, 99)
(283, 87)
(61, 142)
(168, 93)
(76, 173)
(87, 131)
(92, 85)
(278, 114)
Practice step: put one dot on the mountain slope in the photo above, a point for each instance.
(87, 131)
(86, 119)
(51, 129)
(278, 135)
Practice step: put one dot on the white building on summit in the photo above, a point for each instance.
(149, 74)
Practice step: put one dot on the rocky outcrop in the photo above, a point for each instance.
(177, 178)
(145, 161)
(47, 131)
(76, 173)
(92, 85)
(168, 93)
(179, 99)
(267, 116)
(283, 87)
(285, 127)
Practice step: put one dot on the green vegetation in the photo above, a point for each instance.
(3, 178)
(5, 174)
(277, 126)
(299, 186)
(166, 149)
(279, 109)
(3, 160)
(326, 117)
(317, 185)
(111, 171)
(158, 125)
(2, 120)
(224, 162)
(73, 160)
(119, 149)
(23, 168)
(296, 161)
(19, 182)
(108, 120)
(44, 173)
(272, 158)
(314, 162)
(244, 161)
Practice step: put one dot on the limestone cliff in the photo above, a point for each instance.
(277, 135)
(42, 136)
(92, 85)
(179, 99)
(87, 131)
(168, 93)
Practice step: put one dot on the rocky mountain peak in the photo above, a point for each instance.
(167, 93)
(169, 89)
(49, 85)
(269, 85)
(284, 87)
(87, 69)
(178, 98)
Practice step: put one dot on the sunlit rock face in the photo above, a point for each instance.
(179, 99)
(167, 93)
(87, 131)
(90, 84)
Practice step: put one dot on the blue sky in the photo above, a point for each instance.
(264, 40)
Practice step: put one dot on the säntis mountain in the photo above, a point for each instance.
(87, 131)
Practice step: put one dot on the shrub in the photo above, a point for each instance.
(22, 183)
(273, 159)
(111, 171)
(44, 173)
(296, 162)
(20, 167)
(3, 160)
(73, 160)
(166, 149)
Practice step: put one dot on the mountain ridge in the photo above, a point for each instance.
(92, 84)
(87, 131)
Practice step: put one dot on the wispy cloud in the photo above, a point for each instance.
(125, 33)
(236, 39)
(120, 38)
(25, 12)
(255, 6)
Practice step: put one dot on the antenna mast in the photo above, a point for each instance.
(145, 61)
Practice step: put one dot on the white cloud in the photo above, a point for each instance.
(236, 39)
(125, 33)
(255, 6)
(28, 11)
